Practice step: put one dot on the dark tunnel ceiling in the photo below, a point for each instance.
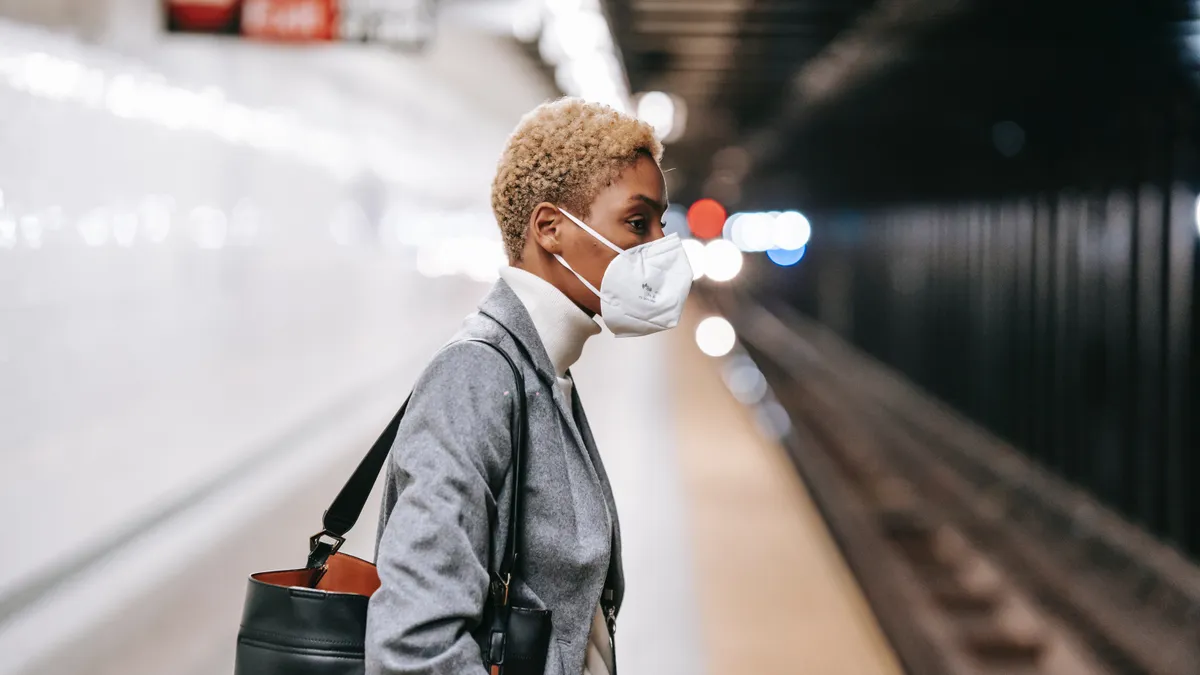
(842, 102)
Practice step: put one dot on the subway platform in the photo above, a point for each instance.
(137, 564)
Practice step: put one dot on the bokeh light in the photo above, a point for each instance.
(675, 221)
(785, 257)
(753, 232)
(658, 110)
(715, 336)
(706, 218)
(95, 226)
(1008, 137)
(8, 231)
(790, 231)
(731, 224)
(124, 228)
(722, 260)
(763, 231)
(209, 226)
(154, 214)
(772, 419)
(695, 254)
(744, 380)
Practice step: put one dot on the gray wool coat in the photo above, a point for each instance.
(449, 478)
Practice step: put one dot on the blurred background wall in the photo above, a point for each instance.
(205, 242)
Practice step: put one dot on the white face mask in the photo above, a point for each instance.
(643, 288)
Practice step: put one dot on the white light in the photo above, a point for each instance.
(558, 7)
(679, 123)
(564, 78)
(757, 232)
(745, 381)
(8, 231)
(731, 224)
(48, 76)
(694, 248)
(155, 216)
(715, 336)
(31, 230)
(576, 41)
(735, 227)
(1198, 213)
(244, 223)
(791, 231)
(126, 88)
(430, 262)
(581, 34)
(209, 227)
(124, 228)
(121, 99)
(550, 47)
(773, 420)
(595, 78)
(722, 260)
(94, 227)
(52, 218)
(658, 110)
(527, 22)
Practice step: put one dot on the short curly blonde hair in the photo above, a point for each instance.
(564, 152)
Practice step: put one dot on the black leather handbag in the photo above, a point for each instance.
(312, 621)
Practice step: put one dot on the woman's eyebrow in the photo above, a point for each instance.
(654, 204)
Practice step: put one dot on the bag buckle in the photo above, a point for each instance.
(317, 556)
(315, 540)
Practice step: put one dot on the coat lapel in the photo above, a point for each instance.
(503, 306)
(616, 571)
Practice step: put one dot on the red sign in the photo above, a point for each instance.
(290, 20)
(203, 16)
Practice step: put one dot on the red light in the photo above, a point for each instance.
(706, 219)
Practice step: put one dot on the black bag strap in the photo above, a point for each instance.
(343, 513)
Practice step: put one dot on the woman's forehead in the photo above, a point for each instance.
(642, 182)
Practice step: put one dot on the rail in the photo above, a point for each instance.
(974, 559)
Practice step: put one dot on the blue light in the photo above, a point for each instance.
(786, 258)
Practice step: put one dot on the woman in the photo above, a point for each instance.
(579, 198)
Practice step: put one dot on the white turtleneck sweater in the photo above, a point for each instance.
(563, 328)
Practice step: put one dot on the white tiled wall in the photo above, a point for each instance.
(203, 240)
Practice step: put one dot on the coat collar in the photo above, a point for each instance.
(503, 305)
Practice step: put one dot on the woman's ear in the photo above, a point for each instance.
(545, 227)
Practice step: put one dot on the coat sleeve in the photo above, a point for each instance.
(449, 462)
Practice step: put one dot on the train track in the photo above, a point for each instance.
(974, 560)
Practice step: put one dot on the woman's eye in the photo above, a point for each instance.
(638, 224)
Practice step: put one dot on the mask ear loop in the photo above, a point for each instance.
(579, 276)
(592, 232)
(595, 234)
